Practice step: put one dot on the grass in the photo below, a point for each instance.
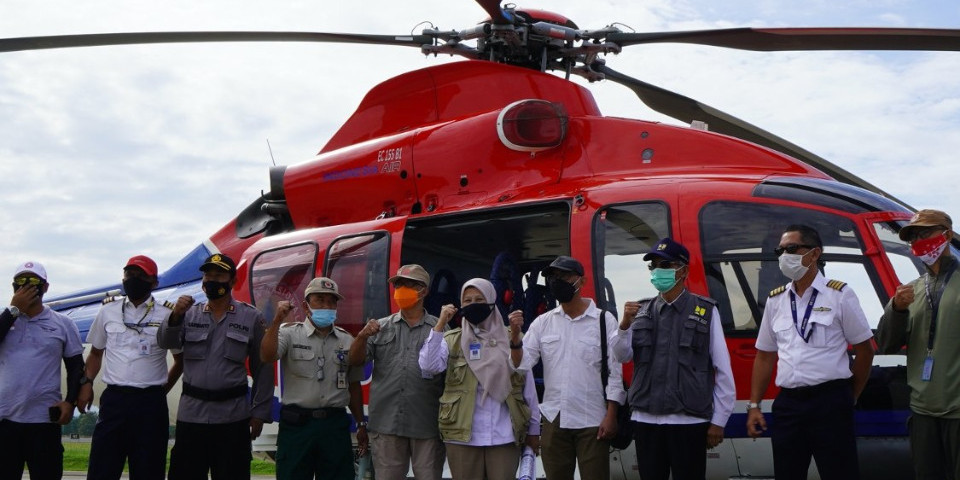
(76, 454)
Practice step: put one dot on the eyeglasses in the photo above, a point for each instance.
(320, 369)
(792, 248)
(664, 264)
(21, 281)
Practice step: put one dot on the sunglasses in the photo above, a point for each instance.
(792, 248)
(21, 281)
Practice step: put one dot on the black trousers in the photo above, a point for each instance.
(680, 449)
(36, 444)
(815, 421)
(132, 427)
(223, 449)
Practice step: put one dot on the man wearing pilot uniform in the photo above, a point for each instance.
(314, 439)
(806, 327)
(216, 421)
(133, 424)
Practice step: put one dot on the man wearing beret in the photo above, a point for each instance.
(924, 315)
(216, 421)
(682, 391)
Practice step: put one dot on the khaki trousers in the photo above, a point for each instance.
(498, 462)
(392, 456)
(565, 448)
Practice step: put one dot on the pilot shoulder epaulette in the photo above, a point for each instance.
(836, 285)
(778, 290)
(111, 299)
(168, 304)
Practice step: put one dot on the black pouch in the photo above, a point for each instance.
(293, 417)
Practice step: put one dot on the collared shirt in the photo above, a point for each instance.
(724, 388)
(128, 335)
(570, 350)
(213, 358)
(836, 319)
(30, 358)
(403, 401)
(491, 419)
(300, 347)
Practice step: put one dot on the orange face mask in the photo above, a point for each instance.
(405, 297)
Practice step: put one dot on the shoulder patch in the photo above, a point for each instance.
(111, 299)
(836, 285)
(778, 290)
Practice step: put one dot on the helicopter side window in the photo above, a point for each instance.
(358, 264)
(282, 274)
(738, 241)
(623, 234)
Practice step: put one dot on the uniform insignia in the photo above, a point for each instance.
(699, 311)
(169, 304)
(778, 290)
(110, 299)
(836, 285)
(823, 309)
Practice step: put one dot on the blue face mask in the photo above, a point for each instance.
(663, 279)
(322, 317)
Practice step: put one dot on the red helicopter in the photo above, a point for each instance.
(492, 167)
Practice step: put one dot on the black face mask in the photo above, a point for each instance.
(562, 290)
(137, 288)
(477, 312)
(215, 290)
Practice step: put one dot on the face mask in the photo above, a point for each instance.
(663, 279)
(928, 250)
(215, 290)
(562, 290)
(405, 297)
(136, 288)
(322, 317)
(477, 312)
(791, 264)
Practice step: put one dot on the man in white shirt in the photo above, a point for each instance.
(579, 417)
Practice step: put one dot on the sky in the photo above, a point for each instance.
(110, 152)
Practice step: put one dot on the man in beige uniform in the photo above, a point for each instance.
(314, 439)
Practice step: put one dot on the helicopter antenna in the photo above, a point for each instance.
(271, 153)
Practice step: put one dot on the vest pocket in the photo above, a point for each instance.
(235, 347)
(456, 370)
(193, 344)
(642, 339)
(449, 409)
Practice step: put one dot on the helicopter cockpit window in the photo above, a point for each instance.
(623, 234)
(738, 241)
(359, 266)
(282, 274)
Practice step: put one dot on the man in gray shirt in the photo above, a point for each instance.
(403, 402)
(216, 422)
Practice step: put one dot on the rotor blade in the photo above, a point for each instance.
(497, 14)
(782, 39)
(687, 110)
(135, 38)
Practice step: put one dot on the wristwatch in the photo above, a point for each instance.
(752, 405)
(361, 425)
(85, 380)
(14, 311)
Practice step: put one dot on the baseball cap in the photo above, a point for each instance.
(926, 218)
(32, 267)
(144, 263)
(322, 285)
(668, 249)
(563, 263)
(220, 261)
(411, 272)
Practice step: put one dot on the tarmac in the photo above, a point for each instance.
(125, 476)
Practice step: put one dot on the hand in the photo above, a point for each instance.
(756, 424)
(446, 313)
(25, 296)
(630, 310)
(256, 426)
(183, 304)
(283, 310)
(85, 397)
(714, 436)
(533, 441)
(516, 325)
(363, 441)
(66, 412)
(608, 427)
(903, 297)
(370, 329)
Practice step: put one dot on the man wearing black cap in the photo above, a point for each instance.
(133, 425)
(216, 422)
(579, 416)
(923, 315)
(682, 391)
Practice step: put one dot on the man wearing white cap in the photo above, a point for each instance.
(33, 340)
(314, 439)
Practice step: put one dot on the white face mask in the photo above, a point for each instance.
(791, 264)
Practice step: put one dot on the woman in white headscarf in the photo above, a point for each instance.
(488, 410)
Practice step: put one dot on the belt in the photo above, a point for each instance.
(128, 389)
(322, 412)
(214, 395)
(817, 389)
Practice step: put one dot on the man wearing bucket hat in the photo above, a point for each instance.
(924, 315)
(404, 402)
(318, 384)
(216, 422)
(33, 340)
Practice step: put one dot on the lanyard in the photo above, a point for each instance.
(934, 302)
(802, 327)
(134, 326)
